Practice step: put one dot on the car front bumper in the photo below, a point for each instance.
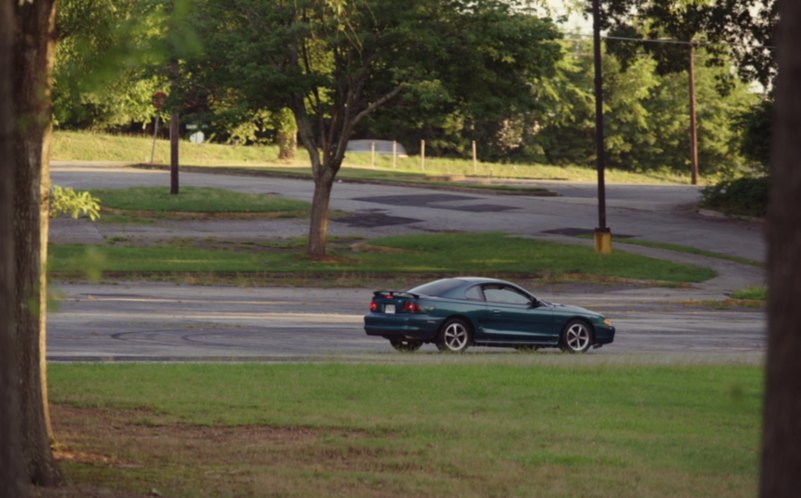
(604, 335)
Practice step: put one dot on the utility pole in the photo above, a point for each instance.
(603, 235)
(693, 124)
(691, 80)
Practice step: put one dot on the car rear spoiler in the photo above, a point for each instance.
(389, 294)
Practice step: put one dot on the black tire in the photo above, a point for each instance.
(454, 336)
(406, 345)
(576, 337)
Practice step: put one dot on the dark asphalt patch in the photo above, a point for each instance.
(371, 219)
(480, 208)
(434, 200)
(415, 200)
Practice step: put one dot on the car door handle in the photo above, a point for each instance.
(496, 312)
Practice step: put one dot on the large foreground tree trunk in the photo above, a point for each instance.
(781, 446)
(12, 472)
(34, 44)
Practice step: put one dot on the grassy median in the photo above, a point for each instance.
(542, 425)
(196, 200)
(431, 254)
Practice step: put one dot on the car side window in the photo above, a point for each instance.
(474, 293)
(505, 295)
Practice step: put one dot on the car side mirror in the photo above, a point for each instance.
(534, 303)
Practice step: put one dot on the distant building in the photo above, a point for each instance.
(381, 147)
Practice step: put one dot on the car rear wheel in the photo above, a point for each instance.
(406, 346)
(576, 337)
(454, 337)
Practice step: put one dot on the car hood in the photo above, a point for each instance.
(573, 309)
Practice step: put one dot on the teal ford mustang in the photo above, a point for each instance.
(455, 313)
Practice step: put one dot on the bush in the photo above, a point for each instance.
(65, 200)
(741, 197)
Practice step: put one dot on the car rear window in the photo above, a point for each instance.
(437, 288)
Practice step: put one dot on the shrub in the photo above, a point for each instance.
(740, 197)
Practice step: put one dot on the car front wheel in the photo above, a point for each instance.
(454, 337)
(406, 346)
(576, 337)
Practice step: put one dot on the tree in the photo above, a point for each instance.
(34, 44)
(646, 115)
(781, 451)
(106, 55)
(468, 95)
(756, 124)
(12, 470)
(737, 29)
(334, 63)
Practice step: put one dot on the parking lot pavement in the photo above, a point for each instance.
(164, 321)
(161, 322)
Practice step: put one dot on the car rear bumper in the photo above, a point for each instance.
(402, 326)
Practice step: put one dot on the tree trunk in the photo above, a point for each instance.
(12, 471)
(781, 444)
(284, 122)
(318, 226)
(34, 44)
(287, 145)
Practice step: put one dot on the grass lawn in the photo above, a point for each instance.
(446, 254)
(86, 146)
(197, 200)
(523, 425)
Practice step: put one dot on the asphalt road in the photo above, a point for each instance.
(145, 321)
(136, 321)
(662, 213)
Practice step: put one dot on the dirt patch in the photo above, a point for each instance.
(123, 453)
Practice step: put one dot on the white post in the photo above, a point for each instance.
(475, 157)
(155, 130)
(372, 154)
(423, 155)
(394, 154)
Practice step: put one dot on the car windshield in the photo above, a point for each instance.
(437, 288)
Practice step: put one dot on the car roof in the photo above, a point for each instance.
(482, 280)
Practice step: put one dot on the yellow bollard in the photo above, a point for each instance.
(603, 240)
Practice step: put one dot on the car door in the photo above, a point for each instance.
(511, 317)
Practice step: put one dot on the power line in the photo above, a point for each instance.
(664, 41)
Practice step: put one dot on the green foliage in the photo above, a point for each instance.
(741, 197)
(111, 58)
(646, 116)
(65, 200)
(738, 29)
(362, 56)
(758, 293)
(447, 72)
(757, 124)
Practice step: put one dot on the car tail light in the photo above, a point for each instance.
(411, 307)
(373, 306)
